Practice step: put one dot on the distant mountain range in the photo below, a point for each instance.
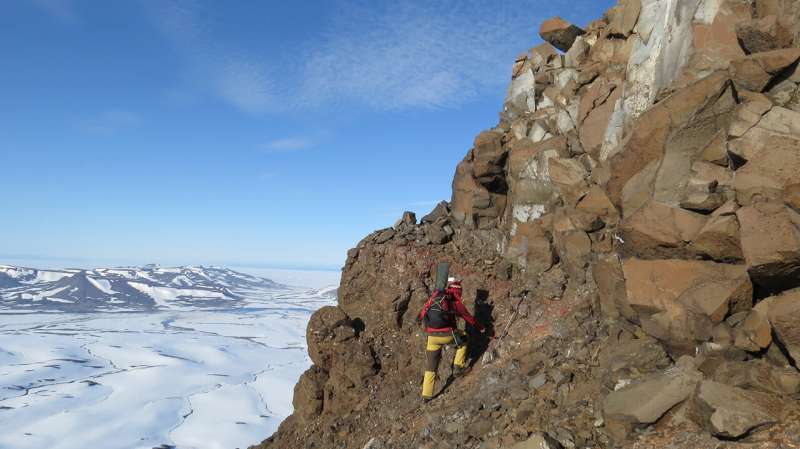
(150, 287)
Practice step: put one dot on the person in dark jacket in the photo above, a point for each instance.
(439, 317)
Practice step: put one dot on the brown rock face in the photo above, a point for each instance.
(624, 17)
(760, 35)
(648, 399)
(754, 333)
(559, 33)
(754, 72)
(719, 238)
(328, 328)
(771, 244)
(663, 129)
(773, 162)
(660, 231)
(732, 412)
(783, 312)
(679, 301)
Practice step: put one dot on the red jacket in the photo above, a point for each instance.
(458, 310)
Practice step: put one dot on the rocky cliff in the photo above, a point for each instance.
(630, 228)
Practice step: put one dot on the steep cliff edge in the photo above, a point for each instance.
(631, 224)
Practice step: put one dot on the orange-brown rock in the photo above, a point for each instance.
(754, 333)
(624, 17)
(771, 244)
(716, 43)
(570, 178)
(596, 202)
(657, 231)
(719, 237)
(560, 33)
(715, 150)
(575, 251)
(731, 412)
(754, 72)
(772, 159)
(530, 247)
(783, 313)
(791, 196)
(488, 160)
(607, 273)
(678, 301)
(764, 34)
(661, 126)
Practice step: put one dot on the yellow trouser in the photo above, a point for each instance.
(433, 352)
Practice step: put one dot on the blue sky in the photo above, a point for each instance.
(260, 133)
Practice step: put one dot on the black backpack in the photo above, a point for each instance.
(439, 314)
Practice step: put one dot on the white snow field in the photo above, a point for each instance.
(174, 373)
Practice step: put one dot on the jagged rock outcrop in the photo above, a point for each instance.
(631, 227)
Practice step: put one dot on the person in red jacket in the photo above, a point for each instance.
(439, 317)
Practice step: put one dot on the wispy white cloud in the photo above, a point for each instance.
(231, 75)
(416, 53)
(245, 85)
(63, 10)
(289, 144)
(110, 122)
(385, 55)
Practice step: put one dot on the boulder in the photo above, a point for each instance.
(748, 113)
(530, 247)
(764, 34)
(754, 72)
(577, 54)
(783, 313)
(308, 393)
(328, 328)
(661, 127)
(770, 235)
(774, 129)
(385, 235)
(570, 178)
(731, 412)
(631, 358)
(624, 17)
(560, 33)
(719, 237)
(678, 301)
(708, 186)
(353, 365)
(437, 234)
(594, 113)
(648, 399)
(529, 178)
(596, 202)
(772, 160)
(440, 211)
(715, 151)
(714, 36)
(489, 159)
(610, 280)
(758, 375)
(658, 230)
(575, 251)
(791, 196)
(754, 333)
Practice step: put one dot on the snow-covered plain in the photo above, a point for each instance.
(162, 377)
